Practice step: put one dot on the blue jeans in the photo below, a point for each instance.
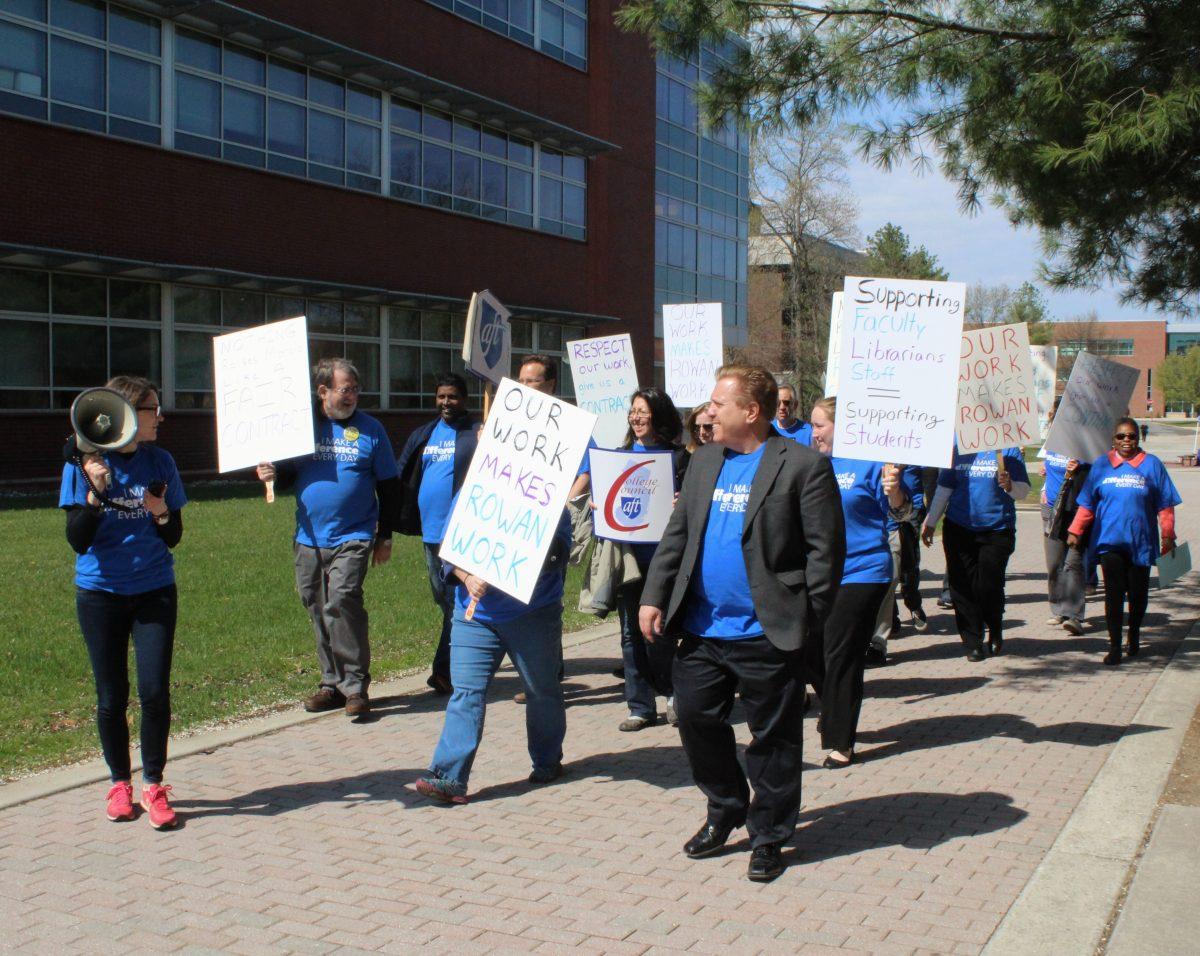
(108, 622)
(647, 666)
(534, 643)
(443, 597)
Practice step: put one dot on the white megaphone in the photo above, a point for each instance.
(102, 420)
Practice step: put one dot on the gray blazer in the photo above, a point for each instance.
(793, 540)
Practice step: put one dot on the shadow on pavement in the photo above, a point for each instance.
(385, 785)
(921, 688)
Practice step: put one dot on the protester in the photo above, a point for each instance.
(871, 492)
(1128, 502)
(432, 467)
(123, 519)
(742, 622)
(699, 428)
(531, 635)
(786, 422)
(901, 535)
(346, 496)
(654, 425)
(1064, 565)
(979, 533)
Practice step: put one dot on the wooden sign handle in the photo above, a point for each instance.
(269, 491)
(469, 613)
(1000, 469)
(487, 405)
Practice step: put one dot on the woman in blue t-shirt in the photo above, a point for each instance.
(123, 519)
(1128, 502)
(870, 492)
(654, 425)
(978, 498)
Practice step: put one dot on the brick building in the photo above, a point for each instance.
(1140, 345)
(172, 170)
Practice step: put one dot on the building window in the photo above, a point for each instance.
(81, 63)
(1107, 347)
(557, 28)
(238, 104)
(63, 332)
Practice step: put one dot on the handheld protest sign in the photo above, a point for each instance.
(262, 395)
(1097, 394)
(833, 356)
(487, 342)
(516, 488)
(693, 350)
(1045, 383)
(996, 404)
(634, 494)
(605, 376)
(898, 370)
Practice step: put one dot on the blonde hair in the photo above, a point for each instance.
(828, 405)
(755, 384)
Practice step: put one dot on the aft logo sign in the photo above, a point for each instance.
(634, 491)
(487, 345)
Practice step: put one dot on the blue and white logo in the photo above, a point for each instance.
(631, 507)
(491, 334)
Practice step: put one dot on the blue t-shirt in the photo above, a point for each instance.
(977, 501)
(798, 431)
(335, 488)
(865, 507)
(719, 601)
(585, 466)
(437, 482)
(1126, 500)
(497, 607)
(1056, 472)
(127, 555)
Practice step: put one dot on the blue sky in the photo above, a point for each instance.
(982, 247)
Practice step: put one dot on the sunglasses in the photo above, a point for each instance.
(704, 428)
(1127, 436)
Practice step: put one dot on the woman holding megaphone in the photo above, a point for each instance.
(123, 499)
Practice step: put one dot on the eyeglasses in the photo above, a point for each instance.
(1126, 436)
(638, 417)
(346, 389)
(157, 409)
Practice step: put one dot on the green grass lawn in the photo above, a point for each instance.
(243, 643)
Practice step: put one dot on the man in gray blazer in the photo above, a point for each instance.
(749, 564)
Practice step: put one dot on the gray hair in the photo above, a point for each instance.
(324, 369)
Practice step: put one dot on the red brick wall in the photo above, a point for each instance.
(1149, 349)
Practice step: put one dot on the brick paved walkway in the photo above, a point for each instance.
(307, 840)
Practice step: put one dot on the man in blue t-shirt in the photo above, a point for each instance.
(786, 422)
(432, 467)
(749, 564)
(345, 503)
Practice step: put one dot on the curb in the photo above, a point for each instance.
(1067, 905)
(49, 782)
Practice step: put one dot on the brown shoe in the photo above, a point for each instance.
(519, 698)
(357, 705)
(327, 698)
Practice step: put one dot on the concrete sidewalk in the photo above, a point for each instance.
(306, 839)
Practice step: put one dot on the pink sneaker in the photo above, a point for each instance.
(120, 801)
(156, 804)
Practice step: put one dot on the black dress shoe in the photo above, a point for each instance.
(766, 863)
(709, 839)
(996, 646)
(977, 654)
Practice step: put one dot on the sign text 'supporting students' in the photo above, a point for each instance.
(515, 490)
(898, 375)
(692, 351)
(996, 403)
(262, 396)
(605, 376)
(634, 494)
(1097, 394)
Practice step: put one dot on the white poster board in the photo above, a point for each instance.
(1171, 567)
(262, 394)
(1045, 383)
(605, 376)
(833, 356)
(1097, 394)
(634, 494)
(693, 350)
(996, 403)
(487, 342)
(514, 493)
(898, 372)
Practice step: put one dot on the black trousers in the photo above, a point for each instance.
(1122, 577)
(770, 682)
(835, 657)
(910, 565)
(976, 562)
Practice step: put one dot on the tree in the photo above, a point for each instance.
(889, 255)
(1079, 117)
(1179, 376)
(798, 184)
(1073, 336)
(1002, 305)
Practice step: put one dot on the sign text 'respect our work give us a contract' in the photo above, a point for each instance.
(898, 374)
